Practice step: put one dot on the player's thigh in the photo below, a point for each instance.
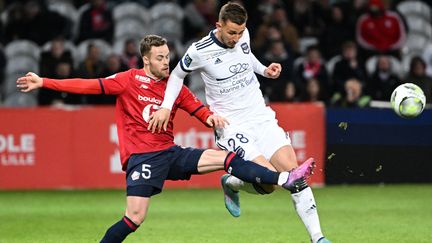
(284, 159)
(184, 163)
(212, 160)
(240, 141)
(275, 145)
(261, 160)
(136, 208)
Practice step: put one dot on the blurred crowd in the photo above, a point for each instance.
(343, 53)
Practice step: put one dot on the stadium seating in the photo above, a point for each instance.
(131, 10)
(9, 85)
(66, 9)
(22, 56)
(130, 28)
(419, 8)
(132, 21)
(305, 42)
(80, 11)
(22, 48)
(167, 18)
(419, 25)
(415, 43)
(332, 62)
(18, 99)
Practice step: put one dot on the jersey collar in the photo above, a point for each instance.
(154, 80)
(219, 43)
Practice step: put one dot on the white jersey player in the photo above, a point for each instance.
(227, 67)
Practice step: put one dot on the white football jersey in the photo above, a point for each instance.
(232, 88)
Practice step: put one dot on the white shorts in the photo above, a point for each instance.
(253, 140)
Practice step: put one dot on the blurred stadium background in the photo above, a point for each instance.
(60, 176)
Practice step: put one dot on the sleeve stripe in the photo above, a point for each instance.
(101, 85)
(197, 109)
(203, 42)
(206, 45)
(182, 67)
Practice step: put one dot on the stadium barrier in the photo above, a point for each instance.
(377, 146)
(51, 148)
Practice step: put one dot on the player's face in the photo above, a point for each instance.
(230, 33)
(158, 61)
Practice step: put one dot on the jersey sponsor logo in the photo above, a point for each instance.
(218, 60)
(148, 99)
(236, 69)
(187, 60)
(142, 78)
(245, 48)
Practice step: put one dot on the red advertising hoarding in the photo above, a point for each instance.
(46, 148)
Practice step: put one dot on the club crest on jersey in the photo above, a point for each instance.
(245, 48)
(135, 175)
(142, 78)
(187, 60)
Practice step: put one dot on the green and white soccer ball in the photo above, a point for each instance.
(408, 100)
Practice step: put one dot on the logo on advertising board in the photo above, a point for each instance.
(298, 142)
(197, 139)
(17, 149)
(115, 163)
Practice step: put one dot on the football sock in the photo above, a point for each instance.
(304, 203)
(249, 171)
(119, 231)
(236, 185)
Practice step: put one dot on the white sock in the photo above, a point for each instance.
(304, 203)
(234, 183)
(238, 185)
(283, 177)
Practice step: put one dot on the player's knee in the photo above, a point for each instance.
(264, 188)
(137, 216)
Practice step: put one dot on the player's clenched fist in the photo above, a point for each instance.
(273, 70)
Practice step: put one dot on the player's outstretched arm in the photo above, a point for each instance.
(74, 85)
(29, 82)
(272, 71)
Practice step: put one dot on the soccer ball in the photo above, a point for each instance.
(408, 100)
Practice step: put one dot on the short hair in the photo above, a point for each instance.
(348, 44)
(233, 12)
(151, 40)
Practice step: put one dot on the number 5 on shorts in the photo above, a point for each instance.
(146, 171)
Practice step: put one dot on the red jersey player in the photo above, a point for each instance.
(151, 158)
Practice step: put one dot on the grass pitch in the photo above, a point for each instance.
(390, 213)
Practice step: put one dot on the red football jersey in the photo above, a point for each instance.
(138, 96)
